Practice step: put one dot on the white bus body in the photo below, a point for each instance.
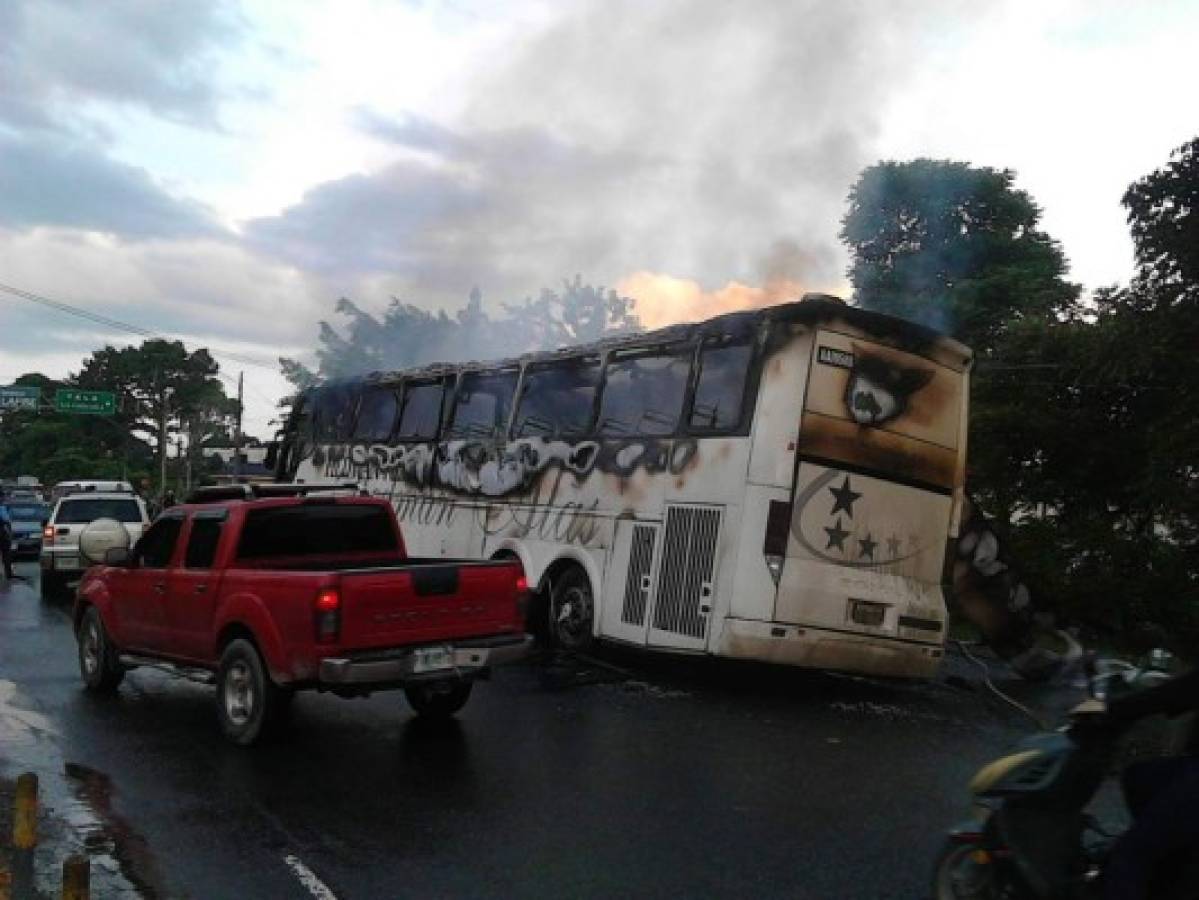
(780, 485)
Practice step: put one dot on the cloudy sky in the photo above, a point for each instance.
(223, 172)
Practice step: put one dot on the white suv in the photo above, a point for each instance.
(61, 558)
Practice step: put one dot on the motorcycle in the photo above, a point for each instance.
(1032, 837)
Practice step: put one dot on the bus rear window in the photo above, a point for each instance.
(643, 393)
(557, 399)
(316, 530)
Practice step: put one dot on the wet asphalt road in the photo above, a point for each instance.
(559, 780)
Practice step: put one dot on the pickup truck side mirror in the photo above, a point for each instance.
(118, 556)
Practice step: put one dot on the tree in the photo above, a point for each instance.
(1163, 213)
(163, 390)
(407, 335)
(953, 246)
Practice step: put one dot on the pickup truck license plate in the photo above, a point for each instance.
(66, 562)
(432, 659)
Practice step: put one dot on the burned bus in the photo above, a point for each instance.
(780, 485)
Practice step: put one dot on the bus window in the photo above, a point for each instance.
(557, 399)
(720, 388)
(376, 414)
(422, 411)
(643, 393)
(481, 406)
(334, 413)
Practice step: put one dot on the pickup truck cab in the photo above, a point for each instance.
(264, 597)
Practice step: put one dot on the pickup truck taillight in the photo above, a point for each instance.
(48, 534)
(522, 597)
(327, 616)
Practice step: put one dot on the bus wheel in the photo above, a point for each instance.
(572, 611)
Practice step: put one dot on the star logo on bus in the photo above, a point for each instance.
(843, 498)
(867, 545)
(836, 536)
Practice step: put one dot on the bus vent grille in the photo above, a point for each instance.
(636, 588)
(688, 561)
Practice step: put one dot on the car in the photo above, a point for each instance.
(264, 597)
(28, 516)
(120, 518)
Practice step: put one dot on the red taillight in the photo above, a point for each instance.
(48, 534)
(522, 596)
(327, 615)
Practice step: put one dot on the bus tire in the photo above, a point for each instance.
(571, 622)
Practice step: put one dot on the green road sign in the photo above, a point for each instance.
(99, 403)
(18, 396)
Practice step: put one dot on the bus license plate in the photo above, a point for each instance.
(432, 659)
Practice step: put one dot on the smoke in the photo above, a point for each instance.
(694, 153)
(665, 299)
(787, 273)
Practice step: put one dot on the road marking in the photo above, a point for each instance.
(308, 878)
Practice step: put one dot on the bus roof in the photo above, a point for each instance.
(813, 309)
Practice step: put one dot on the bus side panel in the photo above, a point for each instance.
(752, 590)
(775, 430)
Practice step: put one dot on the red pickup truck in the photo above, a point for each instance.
(264, 597)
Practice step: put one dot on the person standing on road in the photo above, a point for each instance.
(6, 540)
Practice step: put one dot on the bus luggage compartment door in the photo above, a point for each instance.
(629, 586)
(685, 590)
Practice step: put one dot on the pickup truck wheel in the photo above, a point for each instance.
(438, 699)
(247, 701)
(98, 664)
(572, 611)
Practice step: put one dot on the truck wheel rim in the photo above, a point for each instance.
(91, 649)
(239, 694)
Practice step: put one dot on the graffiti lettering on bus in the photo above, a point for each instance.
(489, 469)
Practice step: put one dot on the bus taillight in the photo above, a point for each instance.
(774, 544)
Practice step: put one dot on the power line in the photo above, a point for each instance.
(118, 325)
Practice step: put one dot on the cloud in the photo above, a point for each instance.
(691, 138)
(60, 56)
(51, 180)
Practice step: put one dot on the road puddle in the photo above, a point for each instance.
(77, 812)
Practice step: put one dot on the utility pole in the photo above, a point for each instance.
(162, 439)
(237, 431)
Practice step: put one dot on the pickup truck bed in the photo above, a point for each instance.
(266, 597)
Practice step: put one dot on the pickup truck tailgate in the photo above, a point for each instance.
(389, 608)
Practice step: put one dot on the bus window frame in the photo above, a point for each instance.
(500, 431)
(394, 388)
(343, 435)
(599, 360)
(749, 386)
(448, 386)
(621, 354)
